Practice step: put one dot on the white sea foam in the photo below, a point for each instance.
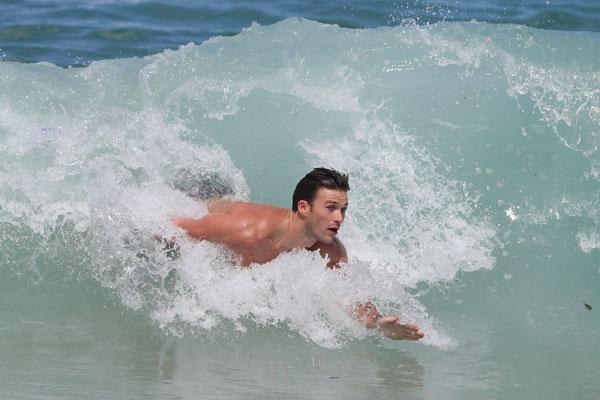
(588, 241)
(204, 288)
(408, 221)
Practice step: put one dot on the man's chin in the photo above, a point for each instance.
(327, 239)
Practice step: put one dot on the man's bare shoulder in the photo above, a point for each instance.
(233, 207)
(256, 221)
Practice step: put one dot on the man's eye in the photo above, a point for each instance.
(331, 208)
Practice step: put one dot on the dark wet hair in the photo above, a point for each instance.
(316, 179)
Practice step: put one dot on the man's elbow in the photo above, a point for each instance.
(191, 226)
(183, 223)
(177, 221)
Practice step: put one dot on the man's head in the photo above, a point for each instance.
(320, 199)
(316, 179)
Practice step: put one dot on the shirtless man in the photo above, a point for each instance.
(258, 233)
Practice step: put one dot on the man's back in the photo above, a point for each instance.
(243, 209)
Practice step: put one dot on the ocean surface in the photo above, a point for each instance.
(470, 131)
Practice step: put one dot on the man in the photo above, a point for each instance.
(258, 233)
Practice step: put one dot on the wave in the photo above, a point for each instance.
(462, 140)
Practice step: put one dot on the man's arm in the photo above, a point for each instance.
(390, 326)
(367, 313)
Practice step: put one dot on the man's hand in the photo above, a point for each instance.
(390, 326)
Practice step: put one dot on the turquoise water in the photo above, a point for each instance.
(472, 149)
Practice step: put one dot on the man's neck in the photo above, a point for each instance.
(294, 233)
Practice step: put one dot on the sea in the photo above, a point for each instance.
(470, 131)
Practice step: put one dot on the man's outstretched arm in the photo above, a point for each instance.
(367, 313)
(390, 326)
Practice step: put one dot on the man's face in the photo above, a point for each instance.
(326, 214)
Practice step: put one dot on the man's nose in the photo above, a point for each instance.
(339, 216)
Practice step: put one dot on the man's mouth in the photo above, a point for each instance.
(334, 230)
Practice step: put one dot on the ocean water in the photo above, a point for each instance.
(472, 149)
(75, 32)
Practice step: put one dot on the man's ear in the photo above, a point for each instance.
(303, 208)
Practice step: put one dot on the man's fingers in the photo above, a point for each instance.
(389, 320)
(392, 328)
(411, 327)
(411, 334)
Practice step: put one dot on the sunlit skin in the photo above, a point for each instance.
(258, 233)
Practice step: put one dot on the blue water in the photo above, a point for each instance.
(473, 154)
(74, 32)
